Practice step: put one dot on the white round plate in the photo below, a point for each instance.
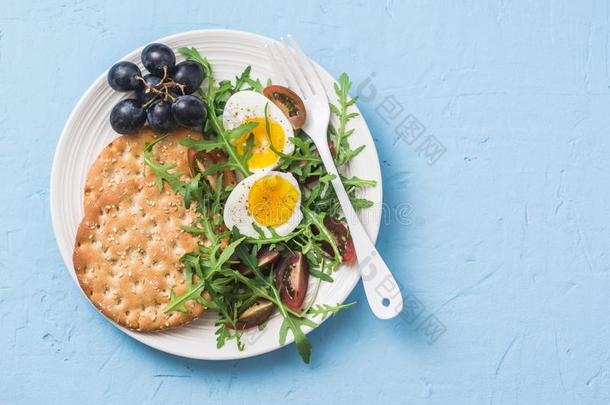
(88, 131)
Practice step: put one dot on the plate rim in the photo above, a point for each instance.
(56, 221)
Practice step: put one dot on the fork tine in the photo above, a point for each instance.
(277, 68)
(291, 63)
(282, 64)
(297, 66)
(308, 68)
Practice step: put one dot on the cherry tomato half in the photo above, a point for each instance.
(289, 102)
(199, 161)
(254, 315)
(291, 279)
(265, 258)
(343, 239)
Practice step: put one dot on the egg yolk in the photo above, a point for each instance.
(262, 153)
(272, 200)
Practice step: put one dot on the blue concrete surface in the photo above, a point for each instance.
(501, 245)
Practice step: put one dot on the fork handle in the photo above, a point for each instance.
(382, 291)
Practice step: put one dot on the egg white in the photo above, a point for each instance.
(250, 104)
(236, 208)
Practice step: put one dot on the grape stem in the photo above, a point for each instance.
(162, 89)
(164, 73)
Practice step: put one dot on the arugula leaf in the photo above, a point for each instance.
(193, 54)
(215, 168)
(339, 136)
(324, 233)
(237, 162)
(324, 310)
(255, 85)
(241, 79)
(360, 203)
(162, 171)
(190, 189)
(349, 154)
(321, 275)
(222, 333)
(245, 78)
(193, 230)
(263, 240)
(258, 230)
(239, 131)
(357, 182)
(294, 325)
(201, 144)
(176, 303)
(228, 251)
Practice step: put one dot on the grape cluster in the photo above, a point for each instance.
(163, 98)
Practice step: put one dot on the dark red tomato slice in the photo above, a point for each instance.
(254, 315)
(343, 239)
(291, 279)
(265, 258)
(199, 161)
(289, 102)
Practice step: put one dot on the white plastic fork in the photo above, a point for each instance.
(299, 73)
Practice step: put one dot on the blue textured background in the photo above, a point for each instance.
(502, 243)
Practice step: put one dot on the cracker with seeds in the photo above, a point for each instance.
(129, 243)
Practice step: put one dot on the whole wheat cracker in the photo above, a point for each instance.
(129, 243)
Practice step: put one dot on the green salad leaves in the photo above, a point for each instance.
(211, 271)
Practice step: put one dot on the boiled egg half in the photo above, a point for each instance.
(249, 106)
(264, 200)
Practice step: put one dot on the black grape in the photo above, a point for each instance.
(190, 74)
(189, 111)
(159, 116)
(158, 57)
(123, 76)
(127, 116)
